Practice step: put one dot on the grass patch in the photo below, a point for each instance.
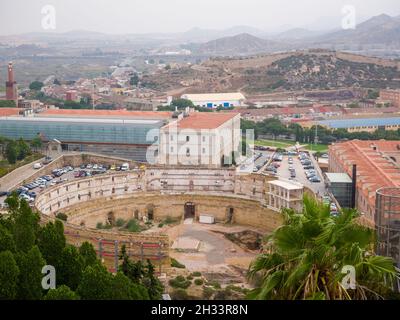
(275, 143)
(317, 147)
(176, 264)
(100, 225)
(133, 226)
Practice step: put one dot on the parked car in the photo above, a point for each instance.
(37, 166)
(47, 160)
(125, 167)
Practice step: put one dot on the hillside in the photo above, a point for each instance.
(241, 44)
(303, 70)
(382, 30)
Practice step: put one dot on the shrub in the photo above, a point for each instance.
(196, 274)
(133, 226)
(99, 225)
(180, 278)
(176, 264)
(179, 294)
(169, 220)
(208, 292)
(120, 222)
(215, 284)
(62, 216)
(160, 225)
(198, 282)
(189, 277)
(180, 282)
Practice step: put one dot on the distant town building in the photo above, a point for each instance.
(11, 85)
(363, 124)
(71, 95)
(141, 104)
(393, 96)
(30, 104)
(215, 100)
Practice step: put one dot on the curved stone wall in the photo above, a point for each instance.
(135, 194)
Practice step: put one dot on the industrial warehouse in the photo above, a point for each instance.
(130, 134)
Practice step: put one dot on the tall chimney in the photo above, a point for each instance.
(10, 72)
(11, 85)
(354, 187)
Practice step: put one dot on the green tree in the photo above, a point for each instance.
(36, 85)
(95, 284)
(134, 271)
(134, 81)
(182, 103)
(152, 283)
(8, 275)
(305, 256)
(70, 267)
(36, 143)
(6, 240)
(61, 293)
(11, 152)
(57, 82)
(88, 254)
(25, 225)
(123, 288)
(30, 265)
(51, 242)
(22, 149)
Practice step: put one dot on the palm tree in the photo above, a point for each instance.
(304, 258)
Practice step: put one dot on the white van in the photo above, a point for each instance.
(37, 165)
(125, 167)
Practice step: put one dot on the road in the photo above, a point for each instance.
(283, 171)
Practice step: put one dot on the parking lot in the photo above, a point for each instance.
(300, 174)
(257, 162)
(29, 191)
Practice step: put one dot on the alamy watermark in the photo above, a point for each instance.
(49, 17)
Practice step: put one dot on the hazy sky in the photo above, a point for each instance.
(143, 16)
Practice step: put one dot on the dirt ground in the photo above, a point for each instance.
(217, 258)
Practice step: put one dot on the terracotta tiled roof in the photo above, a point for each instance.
(205, 120)
(374, 168)
(9, 111)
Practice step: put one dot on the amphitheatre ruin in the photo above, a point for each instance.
(154, 194)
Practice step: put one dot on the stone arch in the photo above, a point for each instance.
(150, 211)
(189, 210)
(111, 218)
(230, 214)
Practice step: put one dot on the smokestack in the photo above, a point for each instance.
(10, 72)
(354, 187)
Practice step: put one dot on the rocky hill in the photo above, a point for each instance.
(302, 70)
